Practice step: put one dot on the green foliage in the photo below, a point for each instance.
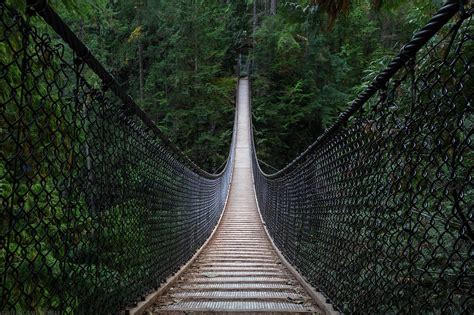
(305, 75)
(72, 6)
(187, 61)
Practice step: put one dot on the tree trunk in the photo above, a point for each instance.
(254, 18)
(273, 7)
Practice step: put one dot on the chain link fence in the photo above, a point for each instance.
(378, 212)
(98, 208)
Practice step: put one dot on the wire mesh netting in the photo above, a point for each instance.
(96, 210)
(378, 212)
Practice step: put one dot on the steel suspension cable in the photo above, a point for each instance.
(98, 206)
(377, 212)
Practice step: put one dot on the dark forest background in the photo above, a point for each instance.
(177, 59)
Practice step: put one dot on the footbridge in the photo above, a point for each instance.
(103, 214)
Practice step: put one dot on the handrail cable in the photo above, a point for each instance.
(408, 51)
(100, 207)
(377, 212)
(109, 82)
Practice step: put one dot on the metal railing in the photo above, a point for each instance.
(98, 207)
(378, 212)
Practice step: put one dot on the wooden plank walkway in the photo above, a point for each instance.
(238, 271)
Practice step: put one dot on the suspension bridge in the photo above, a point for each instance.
(103, 214)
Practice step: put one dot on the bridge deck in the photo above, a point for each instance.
(239, 269)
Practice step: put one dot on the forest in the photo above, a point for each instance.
(177, 59)
(99, 211)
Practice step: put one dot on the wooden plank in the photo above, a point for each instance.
(211, 283)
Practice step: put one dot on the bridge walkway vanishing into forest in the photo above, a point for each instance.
(103, 214)
(239, 269)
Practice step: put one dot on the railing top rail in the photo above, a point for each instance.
(407, 52)
(377, 213)
(100, 207)
(109, 82)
